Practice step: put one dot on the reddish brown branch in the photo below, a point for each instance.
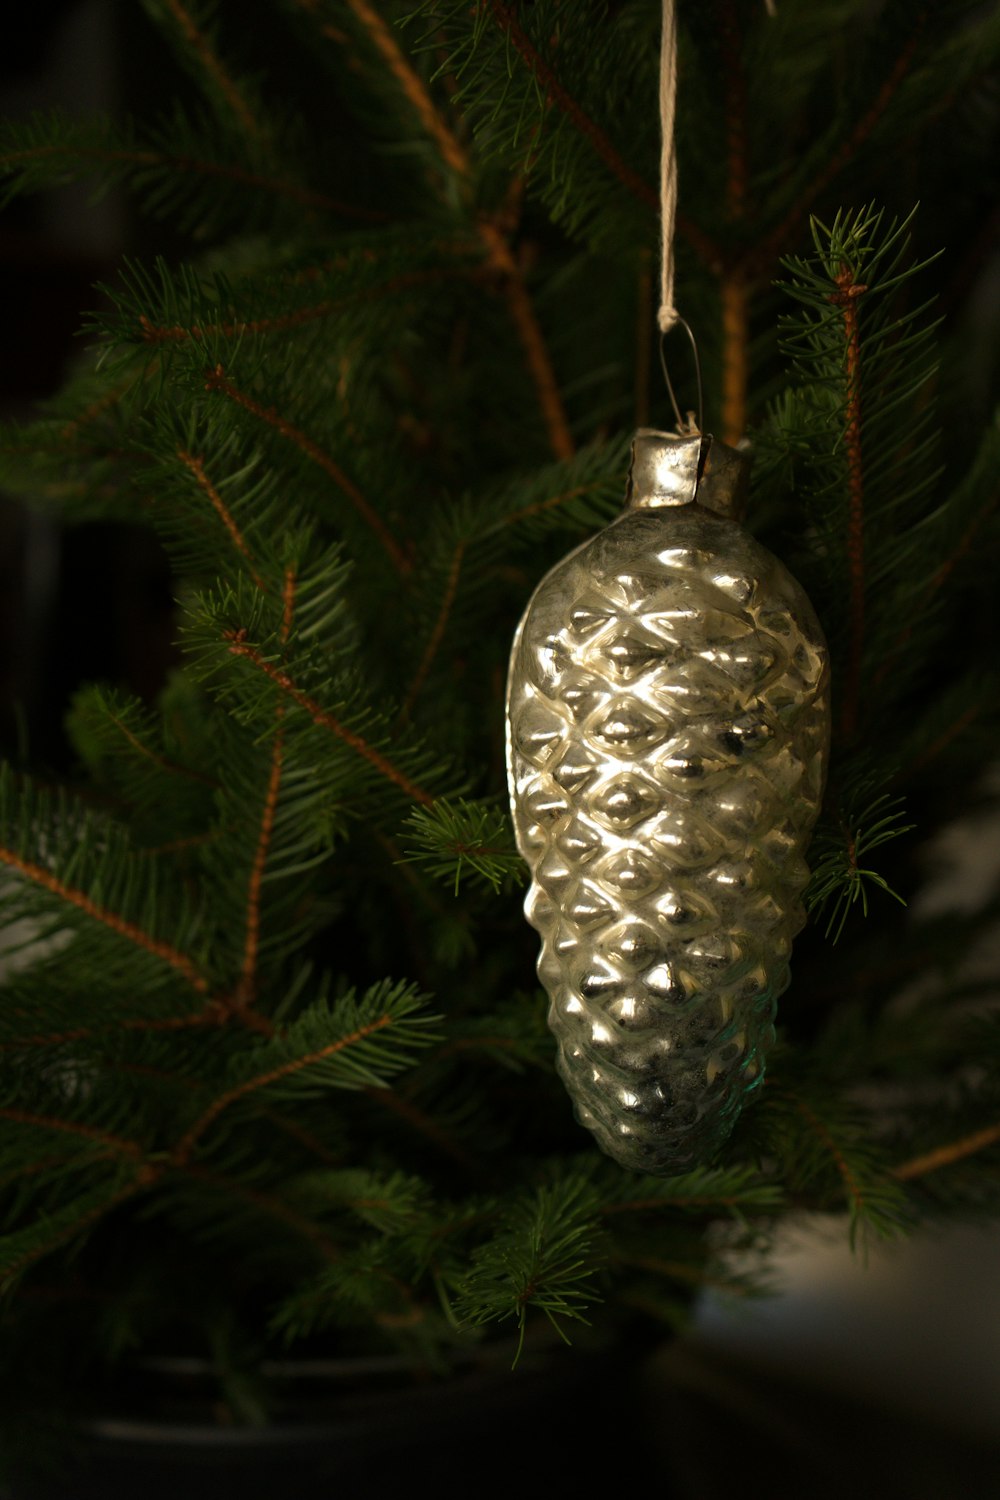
(437, 634)
(943, 740)
(178, 333)
(281, 187)
(216, 380)
(245, 988)
(847, 299)
(304, 1137)
(735, 112)
(944, 1156)
(501, 260)
(116, 1143)
(327, 720)
(735, 355)
(420, 1122)
(448, 145)
(846, 1175)
(776, 242)
(642, 1205)
(557, 95)
(268, 1204)
(144, 1177)
(111, 919)
(213, 67)
(540, 506)
(186, 1144)
(936, 581)
(212, 1015)
(529, 332)
(196, 467)
(163, 761)
(90, 413)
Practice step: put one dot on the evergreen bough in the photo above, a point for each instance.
(273, 1057)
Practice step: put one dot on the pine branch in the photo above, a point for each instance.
(244, 993)
(20, 1250)
(553, 91)
(737, 1190)
(455, 839)
(365, 1043)
(543, 1258)
(944, 1156)
(196, 466)
(268, 1204)
(200, 44)
(216, 380)
(437, 632)
(865, 818)
(47, 881)
(52, 148)
(115, 1144)
(838, 1140)
(846, 299)
(449, 148)
(817, 182)
(326, 720)
(211, 1015)
(500, 258)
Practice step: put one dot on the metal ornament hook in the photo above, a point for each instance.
(685, 426)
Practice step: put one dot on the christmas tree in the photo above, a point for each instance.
(275, 1065)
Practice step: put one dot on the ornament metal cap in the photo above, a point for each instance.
(671, 470)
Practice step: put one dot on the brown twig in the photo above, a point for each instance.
(528, 329)
(499, 255)
(115, 1143)
(196, 466)
(182, 1151)
(422, 1123)
(203, 50)
(449, 147)
(49, 882)
(437, 634)
(735, 287)
(244, 994)
(847, 298)
(281, 187)
(179, 333)
(687, 1200)
(554, 92)
(304, 1137)
(144, 1178)
(211, 1015)
(163, 761)
(847, 1176)
(775, 243)
(217, 380)
(538, 507)
(936, 581)
(734, 294)
(326, 720)
(643, 339)
(93, 411)
(944, 1156)
(967, 717)
(268, 1204)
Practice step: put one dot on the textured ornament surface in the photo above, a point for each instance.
(667, 732)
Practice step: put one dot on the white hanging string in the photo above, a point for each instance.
(668, 314)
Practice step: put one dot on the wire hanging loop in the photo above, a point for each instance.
(686, 426)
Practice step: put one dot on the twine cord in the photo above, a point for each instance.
(667, 315)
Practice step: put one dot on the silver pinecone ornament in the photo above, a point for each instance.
(668, 721)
